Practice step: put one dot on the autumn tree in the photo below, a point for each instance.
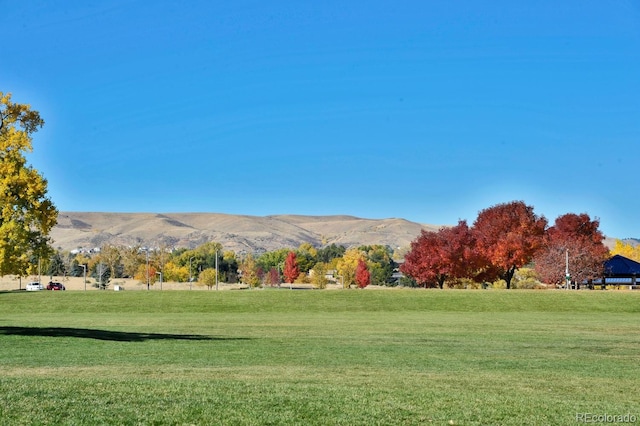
(27, 214)
(111, 256)
(291, 270)
(362, 274)
(422, 262)
(347, 264)
(160, 256)
(628, 250)
(131, 258)
(437, 256)
(146, 274)
(273, 277)
(579, 237)
(319, 275)
(175, 272)
(380, 263)
(208, 277)
(249, 270)
(507, 237)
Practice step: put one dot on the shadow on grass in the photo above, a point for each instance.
(117, 336)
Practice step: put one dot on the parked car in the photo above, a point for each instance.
(34, 286)
(55, 286)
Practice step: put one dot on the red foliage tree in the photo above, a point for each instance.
(580, 235)
(291, 270)
(273, 277)
(507, 237)
(363, 276)
(437, 256)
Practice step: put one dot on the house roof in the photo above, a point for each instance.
(621, 266)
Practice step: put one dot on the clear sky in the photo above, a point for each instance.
(425, 110)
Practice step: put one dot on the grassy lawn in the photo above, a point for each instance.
(318, 357)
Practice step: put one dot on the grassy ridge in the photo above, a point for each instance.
(305, 357)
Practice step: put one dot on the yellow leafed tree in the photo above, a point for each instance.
(346, 266)
(27, 214)
(249, 271)
(175, 272)
(627, 250)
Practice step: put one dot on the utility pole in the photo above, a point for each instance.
(216, 270)
(148, 278)
(190, 276)
(84, 274)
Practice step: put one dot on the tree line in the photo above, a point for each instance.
(209, 264)
(503, 239)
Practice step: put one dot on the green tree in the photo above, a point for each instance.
(307, 256)
(57, 265)
(208, 252)
(380, 263)
(273, 259)
(229, 267)
(328, 253)
(27, 213)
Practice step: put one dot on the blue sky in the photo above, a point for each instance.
(426, 110)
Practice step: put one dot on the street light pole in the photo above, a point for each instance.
(190, 276)
(84, 273)
(148, 270)
(160, 273)
(216, 270)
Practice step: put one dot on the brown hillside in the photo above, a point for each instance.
(234, 232)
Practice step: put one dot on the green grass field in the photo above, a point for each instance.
(319, 357)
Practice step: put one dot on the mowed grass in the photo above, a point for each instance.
(318, 357)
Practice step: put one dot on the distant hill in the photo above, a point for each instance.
(234, 232)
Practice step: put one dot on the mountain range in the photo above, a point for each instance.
(88, 230)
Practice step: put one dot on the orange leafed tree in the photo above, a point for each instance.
(580, 236)
(363, 276)
(291, 270)
(507, 237)
(437, 256)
